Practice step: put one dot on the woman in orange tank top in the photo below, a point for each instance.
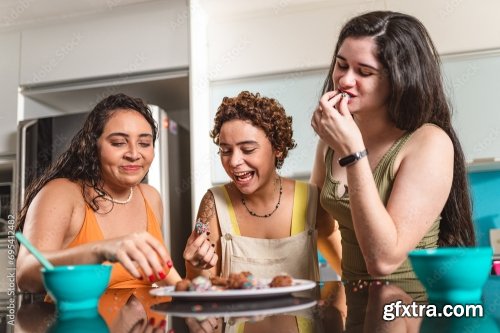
(88, 207)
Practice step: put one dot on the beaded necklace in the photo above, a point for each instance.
(120, 202)
(265, 215)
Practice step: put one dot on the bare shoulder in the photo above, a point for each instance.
(57, 210)
(207, 211)
(152, 195)
(430, 139)
(61, 189)
(428, 145)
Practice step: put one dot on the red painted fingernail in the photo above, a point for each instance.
(213, 245)
(170, 264)
(151, 321)
(208, 233)
(162, 275)
(152, 278)
(163, 323)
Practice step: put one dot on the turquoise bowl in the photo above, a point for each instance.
(453, 275)
(76, 288)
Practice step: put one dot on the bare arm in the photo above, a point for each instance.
(329, 240)
(423, 176)
(48, 221)
(420, 190)
(203, 251)
(54, 218)
(328, 232)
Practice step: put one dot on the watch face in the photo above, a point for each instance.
(348, 160)
(344, 161)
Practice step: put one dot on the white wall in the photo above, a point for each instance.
(291, 37)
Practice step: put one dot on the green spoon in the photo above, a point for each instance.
(45, 263)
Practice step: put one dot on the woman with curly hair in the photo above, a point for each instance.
(89, 206)
(259, 222)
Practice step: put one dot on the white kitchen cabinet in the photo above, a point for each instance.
(123, 41)
(456, 26)
(472, 86)
(9, 82)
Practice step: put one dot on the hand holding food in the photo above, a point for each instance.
(199, 252)
(201, 227)
(135, 251)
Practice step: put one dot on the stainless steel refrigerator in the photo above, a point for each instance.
(42, 140)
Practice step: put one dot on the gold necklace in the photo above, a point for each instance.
(265, 215)
(120, 202)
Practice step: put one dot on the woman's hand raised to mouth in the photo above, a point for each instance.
(334, 124)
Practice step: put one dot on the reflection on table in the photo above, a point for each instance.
(352, 306)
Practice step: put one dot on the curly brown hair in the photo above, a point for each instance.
(262, 112)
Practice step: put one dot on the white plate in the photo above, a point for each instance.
(298, 285)
(264, 307)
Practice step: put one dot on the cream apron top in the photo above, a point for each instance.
(295, 255)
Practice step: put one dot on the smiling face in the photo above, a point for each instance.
(247, 155)
(358, 73)
(125, 149)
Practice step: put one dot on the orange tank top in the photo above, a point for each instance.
(91, 232)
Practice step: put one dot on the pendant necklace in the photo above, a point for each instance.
(265, 215)
(120, 202)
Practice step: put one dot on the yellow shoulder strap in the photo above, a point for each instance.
(299, 215)
(232, 215)
(304, 325)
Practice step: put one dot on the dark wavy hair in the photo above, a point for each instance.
(417, 96)
(262, 112)
(80, 162)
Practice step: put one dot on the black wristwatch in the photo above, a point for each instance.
(353, 158)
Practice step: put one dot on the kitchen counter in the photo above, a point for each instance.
(352, 306)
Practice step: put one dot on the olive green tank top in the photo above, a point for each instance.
(353, 263)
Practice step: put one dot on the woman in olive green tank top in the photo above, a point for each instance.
(389, 165)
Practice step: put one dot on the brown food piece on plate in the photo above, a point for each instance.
(219, 281)
(236, 280)
(281, 281)
(183, 285)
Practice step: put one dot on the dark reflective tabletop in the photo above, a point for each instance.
(351, 306)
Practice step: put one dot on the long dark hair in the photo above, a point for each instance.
(417, 96)
(80, 162)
